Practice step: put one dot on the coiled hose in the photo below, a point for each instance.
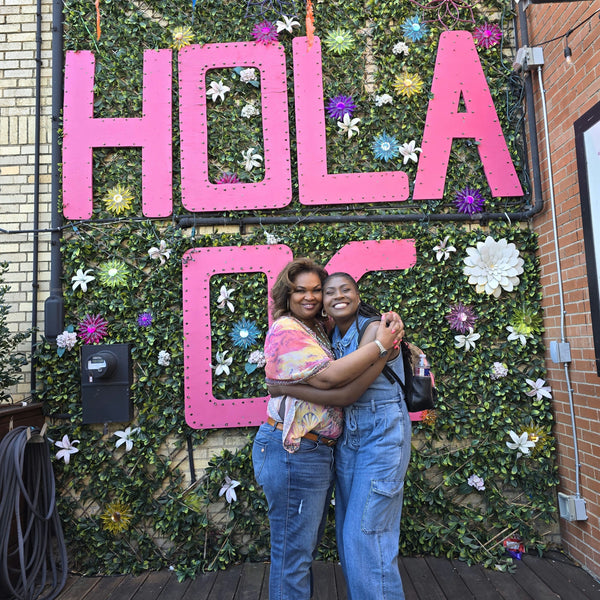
(36, 567)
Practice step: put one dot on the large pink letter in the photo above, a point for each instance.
(202, 409)
(82, 133)
(458, 70)
(316, 186)
(198, 193)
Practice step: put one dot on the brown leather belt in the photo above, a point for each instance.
(315, 437)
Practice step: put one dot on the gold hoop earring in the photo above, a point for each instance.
(324, 313)
(288, 304)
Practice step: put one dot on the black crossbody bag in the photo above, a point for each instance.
(419, 392)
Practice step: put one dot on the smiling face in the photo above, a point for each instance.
(306, 298)
(340, 298)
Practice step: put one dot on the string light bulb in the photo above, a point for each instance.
(568, 55)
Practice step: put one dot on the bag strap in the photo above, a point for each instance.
(389, 373)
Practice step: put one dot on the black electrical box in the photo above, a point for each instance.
(106, 377)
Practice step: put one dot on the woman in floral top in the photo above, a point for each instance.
(293, 451)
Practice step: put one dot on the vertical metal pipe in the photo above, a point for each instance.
(54, 306)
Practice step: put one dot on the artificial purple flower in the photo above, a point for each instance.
(461, 317)
(265, 32)
(340, 106)
(92, 329)
(145, 319)
(487, 35)
(469, 200)
(228, 178)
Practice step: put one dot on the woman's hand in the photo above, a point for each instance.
(390, 331)
(276, 390)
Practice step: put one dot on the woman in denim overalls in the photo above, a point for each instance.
(371, 456)
(371, 459)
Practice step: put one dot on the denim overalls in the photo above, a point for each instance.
(371, 458)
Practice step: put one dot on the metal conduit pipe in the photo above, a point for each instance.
(560, 284)
(54, 306)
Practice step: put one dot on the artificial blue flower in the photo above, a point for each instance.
(385, 147)
(245, 333)
(414, 29)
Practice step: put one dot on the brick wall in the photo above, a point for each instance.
(570, 91)
(18, 64)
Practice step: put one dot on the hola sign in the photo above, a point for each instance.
(457, 72)
(202, 409)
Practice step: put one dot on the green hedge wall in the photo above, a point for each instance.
(128, 507)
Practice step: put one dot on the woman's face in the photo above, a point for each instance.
(306, 297)
(340, 298)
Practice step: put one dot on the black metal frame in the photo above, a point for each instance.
(591, 237)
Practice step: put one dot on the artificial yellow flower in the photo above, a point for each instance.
(116, 517)
(408, 84)
(118, 199)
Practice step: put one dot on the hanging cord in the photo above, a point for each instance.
(28, 510)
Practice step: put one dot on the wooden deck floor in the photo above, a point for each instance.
(549, 578)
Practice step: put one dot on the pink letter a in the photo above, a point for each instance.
(458, 70)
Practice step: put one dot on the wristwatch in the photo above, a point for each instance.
(382, 350)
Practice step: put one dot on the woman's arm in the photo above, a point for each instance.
(346, 369)
(340, 396)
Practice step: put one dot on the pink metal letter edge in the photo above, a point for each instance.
(202, 409)
(82, 132)
(458, 69)
(316, 186)
(198, 193)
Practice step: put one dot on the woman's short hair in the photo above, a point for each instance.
(284, 285)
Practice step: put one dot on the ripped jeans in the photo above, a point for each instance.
(298, 489)
(371, 461)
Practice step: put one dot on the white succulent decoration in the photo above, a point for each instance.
(493, 266)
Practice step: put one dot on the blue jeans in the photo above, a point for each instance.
(298, 489)
(371, 461)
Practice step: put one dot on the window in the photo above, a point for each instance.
(587, 144)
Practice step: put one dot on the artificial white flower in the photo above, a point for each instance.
(383, 99)
(493, 266)
(348, 125)
(250, 159)
(287, 24)
(67, 448)
(271, 239)
(409, 151)
(520, 443)
(67, 339)
(217, 90)
(81, 279)
(249, 111)
(224, 298)
(162, 252)
(164, 358)
(466, 341)
(476, 482)
(538, 389)
(443, 251)
(125, 437)
(499, 370)
(222, 363)
(229, 489)
(400, 48)
(515, 334)
(247, 75)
